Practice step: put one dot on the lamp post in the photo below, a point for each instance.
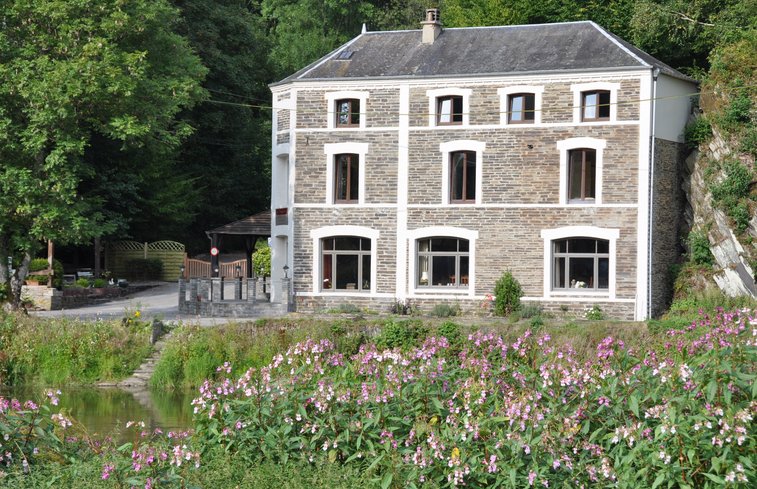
(181, 271)
(286, 271)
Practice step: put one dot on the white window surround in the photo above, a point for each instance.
(564, 147)
(333, 149)
(550, 235)
(330, 231)
(432, 95)
(579, 88)
(504, 94)
(462, 145)
(332, 97)
(436, 231)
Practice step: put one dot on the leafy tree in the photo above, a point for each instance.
(70, 70)
(304, 30)
(228, 156)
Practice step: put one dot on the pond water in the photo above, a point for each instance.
(101, 410)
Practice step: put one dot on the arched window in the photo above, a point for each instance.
(580, 263)
(345, 263)
(443, 262)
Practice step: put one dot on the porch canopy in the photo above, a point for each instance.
(252, 228)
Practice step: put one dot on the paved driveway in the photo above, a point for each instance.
(161, 301)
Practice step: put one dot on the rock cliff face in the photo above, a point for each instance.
(734, 255)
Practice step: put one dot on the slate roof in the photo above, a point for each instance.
(521, 49)
(256, 225)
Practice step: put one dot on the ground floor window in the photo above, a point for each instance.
(346, 263)
(443, 262)
(580, 263)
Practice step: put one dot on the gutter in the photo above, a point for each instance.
(650, 223)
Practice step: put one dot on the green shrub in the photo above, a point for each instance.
(697, 132)
(451, 331)
(735, 185)
(445, 310)
(699, 248)
(736, 114)
(39, 264)
(594, 313)
(82, 282)
(403, 308)
(507, 294)
(40, 279)
(401, 334)
(99, 283)
(261, 261)
(748, 142)
(741, 216)
(530, 310)
(536, 322)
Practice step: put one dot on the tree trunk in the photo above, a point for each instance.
(17, 280)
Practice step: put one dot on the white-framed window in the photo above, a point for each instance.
(520, 104)
(443, 260)
(346, 109)
(581, 170)
(595, 103)
(449, 107)
(344, 259)
(345, 172)
(462, 171)
(580, 261)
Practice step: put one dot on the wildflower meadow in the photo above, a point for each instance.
(459, 410)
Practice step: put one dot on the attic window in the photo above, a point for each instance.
(346, 54)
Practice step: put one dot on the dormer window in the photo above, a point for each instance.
(347, 112)
(449, 110)
(521, 108)
(595, 106)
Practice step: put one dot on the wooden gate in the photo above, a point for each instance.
(201, 269)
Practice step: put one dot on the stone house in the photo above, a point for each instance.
(423, 164)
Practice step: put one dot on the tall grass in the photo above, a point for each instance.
(60, 351)
(194, 353)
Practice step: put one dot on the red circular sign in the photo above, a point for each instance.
(214, 251)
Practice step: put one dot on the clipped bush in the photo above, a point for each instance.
(507, 294)
(82, 282)
(99, 283)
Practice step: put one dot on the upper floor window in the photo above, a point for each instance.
(449, 106)
(443, 262)
(521, 108)
(449, 110)
(581, 263)
(346, 109)
(347, 112)
(462, 177)
(595, 105)
(346, 263)
(595, 102)
(346, 178)
(582, 170)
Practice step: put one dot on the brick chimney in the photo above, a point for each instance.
(432, 26)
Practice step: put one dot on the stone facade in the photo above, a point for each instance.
(668, 204)
(521, 193)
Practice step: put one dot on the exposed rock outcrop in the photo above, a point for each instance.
(734, 255)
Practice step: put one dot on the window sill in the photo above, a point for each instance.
(580, 293)
(442, 289)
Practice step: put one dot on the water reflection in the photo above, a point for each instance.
(102, 410)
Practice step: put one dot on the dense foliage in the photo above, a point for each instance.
(513, 414)
(65, 351)
(507, 294)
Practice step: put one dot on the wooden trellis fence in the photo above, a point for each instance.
(120, 256)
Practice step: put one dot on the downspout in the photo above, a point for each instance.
(650, 224)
